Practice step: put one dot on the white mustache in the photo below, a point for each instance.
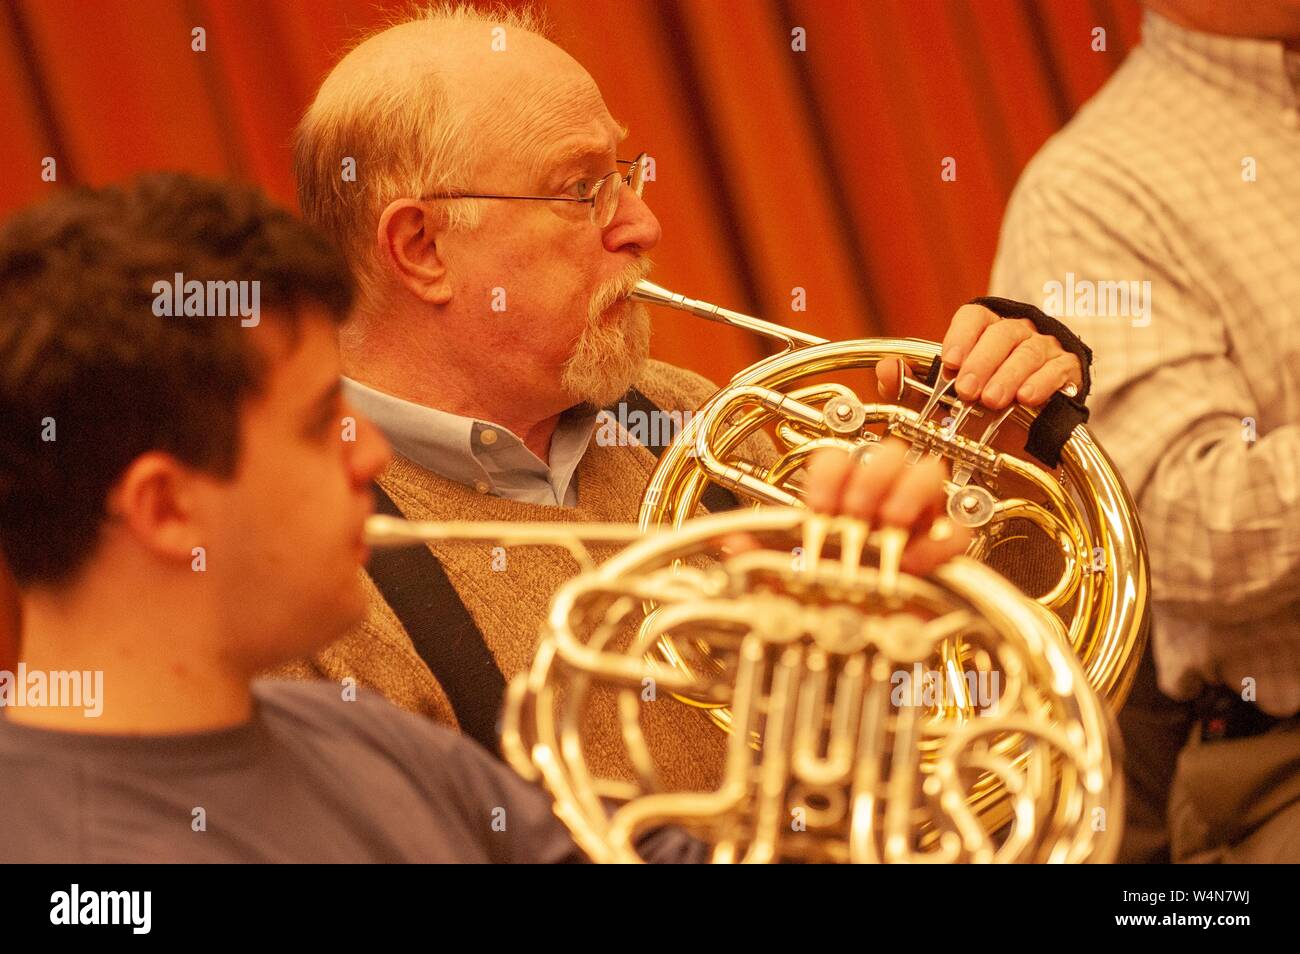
(618, 289)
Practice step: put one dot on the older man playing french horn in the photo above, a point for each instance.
(481, 173)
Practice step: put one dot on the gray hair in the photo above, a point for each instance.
(403, 136)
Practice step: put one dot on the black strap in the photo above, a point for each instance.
(1058, 418)
(1225, 715)
(414, 583)
(716, 498)
(932, 373)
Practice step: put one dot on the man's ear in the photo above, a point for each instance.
(408, 243)
(156, 501)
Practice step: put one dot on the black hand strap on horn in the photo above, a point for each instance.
(716, 498)
(415, 585)
(1058, 418)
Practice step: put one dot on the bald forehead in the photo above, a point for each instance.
(531, 98)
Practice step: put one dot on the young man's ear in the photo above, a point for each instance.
(156, 501)
(408, 238)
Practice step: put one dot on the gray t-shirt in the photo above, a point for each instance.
(310, 778)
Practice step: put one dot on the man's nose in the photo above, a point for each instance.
(634, 227)
(370, 454)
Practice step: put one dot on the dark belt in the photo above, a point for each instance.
(1225, 715)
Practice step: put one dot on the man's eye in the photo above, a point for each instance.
(582, 188)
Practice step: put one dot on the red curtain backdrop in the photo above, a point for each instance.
(777, 168)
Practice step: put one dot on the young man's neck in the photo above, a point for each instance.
(154, 682)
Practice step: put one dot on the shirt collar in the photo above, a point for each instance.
(1262, 71)
(478, 453)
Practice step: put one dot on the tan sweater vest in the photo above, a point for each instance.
(509, 605)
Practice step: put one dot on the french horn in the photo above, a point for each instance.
(838, 755)
(818, 654)
(1067, 536)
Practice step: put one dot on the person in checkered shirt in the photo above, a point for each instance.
(1162, 224)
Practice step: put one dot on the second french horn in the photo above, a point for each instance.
(1067, 536)
(844, 750)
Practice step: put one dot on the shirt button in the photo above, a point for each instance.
(481, 486)
(1291, 118)
(488, 436)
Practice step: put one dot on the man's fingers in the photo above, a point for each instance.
(924, 553)
(868, 484)
(889, 378)
(1030, 355)
(967, 326)
(734, 543)
(1042, 384)
(828, 469)
(914, 495)
(886, 491)
(993, 347)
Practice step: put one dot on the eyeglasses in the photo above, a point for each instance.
(603, 197)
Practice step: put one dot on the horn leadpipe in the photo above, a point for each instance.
(658, 295)
(383, 531)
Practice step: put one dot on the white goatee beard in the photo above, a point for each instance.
(608, 357)
(611, 351)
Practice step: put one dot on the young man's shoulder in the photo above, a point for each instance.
(346, 723)
(325, 707)
(461, 780)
